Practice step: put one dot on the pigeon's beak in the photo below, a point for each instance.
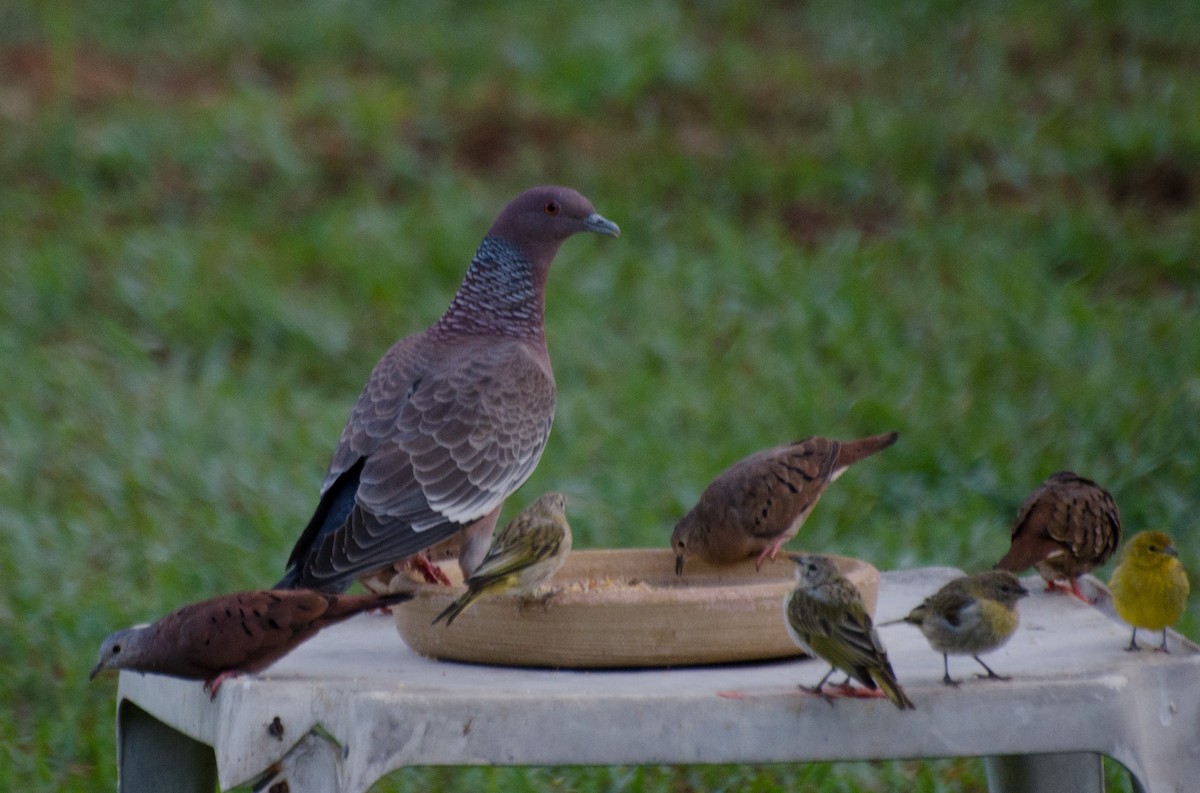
(601, 225)
(95, 671)
(679, 564)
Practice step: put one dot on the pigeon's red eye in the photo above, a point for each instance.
(551, 208)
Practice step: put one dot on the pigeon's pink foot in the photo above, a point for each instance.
(430, 571)
(732, 695)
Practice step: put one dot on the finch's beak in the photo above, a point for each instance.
(679, 564)
(601, 225)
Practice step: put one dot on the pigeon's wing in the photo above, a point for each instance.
(463, 436)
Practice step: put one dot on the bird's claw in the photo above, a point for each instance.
(538, 598)
(211, 685)
(429, 571)
(1071, 588)
(817, 691)
(844, 689)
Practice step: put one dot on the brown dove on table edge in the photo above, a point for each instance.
(453, 419)
(1068, 526)
(225, 636)
(759, 503)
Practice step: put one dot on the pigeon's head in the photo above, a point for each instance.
(119, 650)
(539, 219)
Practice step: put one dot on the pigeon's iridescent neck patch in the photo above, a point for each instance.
(498, 294)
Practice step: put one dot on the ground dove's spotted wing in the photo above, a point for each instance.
(1067, 527)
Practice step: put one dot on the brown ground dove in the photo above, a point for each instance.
(453, 419)
(760, 502)
(245, 632)
(1067, 527)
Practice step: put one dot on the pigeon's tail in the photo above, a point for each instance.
(291, 580)
(338, 561)
(331, 513)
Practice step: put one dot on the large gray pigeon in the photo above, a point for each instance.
(453, 419)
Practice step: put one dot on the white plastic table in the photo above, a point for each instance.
(355, 703)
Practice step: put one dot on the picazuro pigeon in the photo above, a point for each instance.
(453, 419)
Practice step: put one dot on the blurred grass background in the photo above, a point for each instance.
(975, 224)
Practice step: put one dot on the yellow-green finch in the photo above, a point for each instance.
(970, 615)
(1067, 526)
(1149, 586)
(524, 554)
(826, 617)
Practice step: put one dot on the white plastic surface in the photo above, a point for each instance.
(377, 706)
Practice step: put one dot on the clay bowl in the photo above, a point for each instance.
(622, 608)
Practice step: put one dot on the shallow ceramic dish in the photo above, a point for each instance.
(622, 608)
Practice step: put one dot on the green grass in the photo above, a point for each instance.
(977, 226)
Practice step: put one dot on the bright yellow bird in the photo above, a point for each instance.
(1149, 585)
